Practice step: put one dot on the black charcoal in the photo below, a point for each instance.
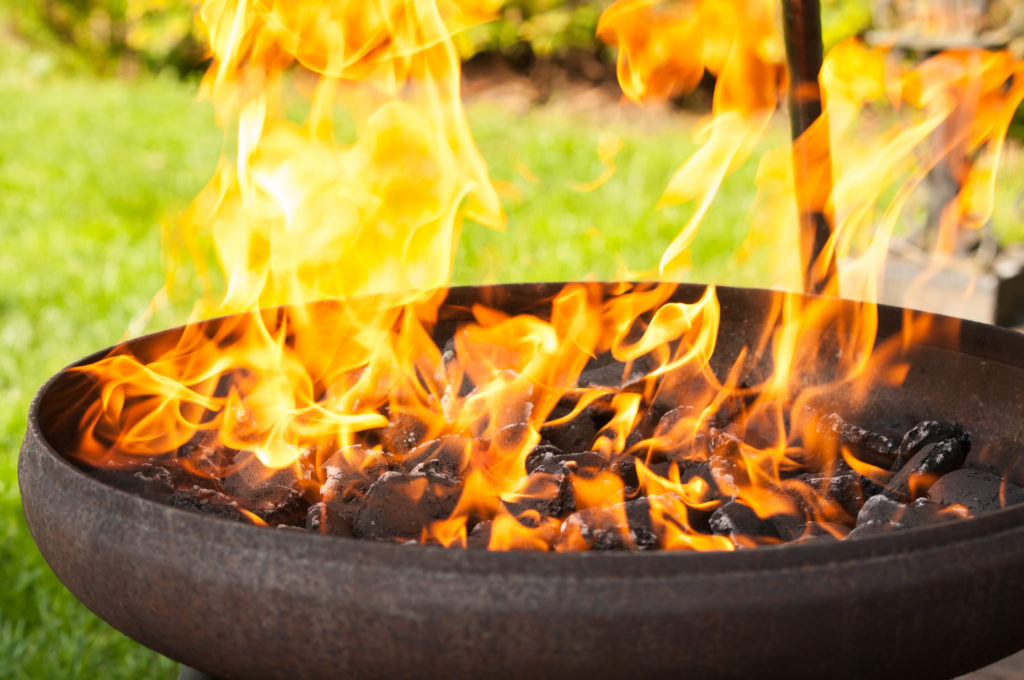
(669, 424)
(934, 460)
(199, 499)
(400, 505)
(604, 529)
(546, 458)
(881, 514)
(153, 482)
(248, 473)
(276, 504)
(446, 456)
(733, 519)
(448, 357)
(871, 447)
(322, 519)
(480, 536)
(547, 488)
(878, 511)
(546, 492)
(788, 527)
(625, 468)
(728, 470)
(929, 432)
(604, 371)
(845, 489)
(207, 459)
(579, 433)
(403, 433)
(979, 491)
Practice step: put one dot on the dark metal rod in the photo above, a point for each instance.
(812, 162)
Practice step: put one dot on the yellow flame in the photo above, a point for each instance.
(355, 239)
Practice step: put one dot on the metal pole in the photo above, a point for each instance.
(812, 161)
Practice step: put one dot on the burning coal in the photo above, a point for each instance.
(597, 422)
(338, 396)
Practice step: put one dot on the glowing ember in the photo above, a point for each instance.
(601, 421)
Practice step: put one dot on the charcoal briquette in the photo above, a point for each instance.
(448, 357)
(547, 491)
(207, 459)
(548, 486)
(869, 446)
(881, 514)
(603, 529)
(276, 504)
(878, 510)
(728, 471)
(446, 456)
(789, 527)
(931, 462)
(734, 519)
(248, 474)
(399, 505)
(480, 536)
(979, 491)
(929, 432)
(403, 433)
(923, 512)
(669, 422)
(547, 458)
(153, 482)
(577, 434)
(208, 501)
(625, 468)
(605, 372)
(322, 519)
(848, 490)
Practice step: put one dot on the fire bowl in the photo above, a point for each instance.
(240, 601)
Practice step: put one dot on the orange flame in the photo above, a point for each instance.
(334, 257)
(665, 46)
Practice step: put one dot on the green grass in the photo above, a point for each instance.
(556, 231)
(88, 171)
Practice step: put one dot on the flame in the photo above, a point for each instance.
(735, 40)
(615, 420)
(296, 201)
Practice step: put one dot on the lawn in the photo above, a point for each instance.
(90, 170)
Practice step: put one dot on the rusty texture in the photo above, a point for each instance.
(239, 601)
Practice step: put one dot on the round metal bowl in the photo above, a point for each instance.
(240, 601)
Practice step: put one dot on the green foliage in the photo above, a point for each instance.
(107, 34)
(111, 35)
(547, 27)
(841, 19)
(553, 27)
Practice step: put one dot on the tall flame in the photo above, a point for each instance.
(299, 216)
(335, 255)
